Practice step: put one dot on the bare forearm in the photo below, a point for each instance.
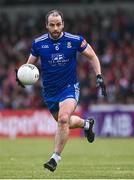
(32, 60)
(96, 64)
(89, 52)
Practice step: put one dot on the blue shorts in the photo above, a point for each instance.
(71, 91)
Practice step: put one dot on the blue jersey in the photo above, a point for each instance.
(58, 61)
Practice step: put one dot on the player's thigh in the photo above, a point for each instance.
(67, 107)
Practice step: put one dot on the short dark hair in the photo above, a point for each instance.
(54, 13)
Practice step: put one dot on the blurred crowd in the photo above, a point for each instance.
(110, 34)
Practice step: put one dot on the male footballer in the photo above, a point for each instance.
(57, 52)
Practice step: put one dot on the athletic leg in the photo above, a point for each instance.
(67, 121)
(66, 108)
(74, 122)
(77, 122)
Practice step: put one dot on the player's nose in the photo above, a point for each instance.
(55, 27)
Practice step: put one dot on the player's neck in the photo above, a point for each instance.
(57, 38)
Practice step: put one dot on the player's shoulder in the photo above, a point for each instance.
(72, 36)
(41, 38)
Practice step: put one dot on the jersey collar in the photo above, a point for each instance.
(55, 39)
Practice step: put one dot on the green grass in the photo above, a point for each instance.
(104, 159)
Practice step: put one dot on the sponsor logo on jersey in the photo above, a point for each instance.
(58, 59)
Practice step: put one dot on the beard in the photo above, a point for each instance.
(55, 35)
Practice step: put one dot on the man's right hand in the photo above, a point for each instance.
(17, 79)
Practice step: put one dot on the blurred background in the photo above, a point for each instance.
(109, 29)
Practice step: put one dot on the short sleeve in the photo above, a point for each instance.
(82, 44)
(34, 51)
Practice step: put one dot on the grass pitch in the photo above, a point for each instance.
(104, 159)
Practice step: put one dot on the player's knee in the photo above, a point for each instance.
(63, 119)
